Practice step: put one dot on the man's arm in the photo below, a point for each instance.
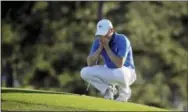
(120, 58)
(118, 61)
(95, 53)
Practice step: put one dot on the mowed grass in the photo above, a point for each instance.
(33, 100)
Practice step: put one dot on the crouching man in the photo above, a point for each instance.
(119, 68)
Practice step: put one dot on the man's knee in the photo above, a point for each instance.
(85, 72)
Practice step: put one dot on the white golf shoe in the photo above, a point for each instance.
(122, 98)
(109, 94)
(123, 95)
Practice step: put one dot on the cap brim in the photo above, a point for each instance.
(101, 32)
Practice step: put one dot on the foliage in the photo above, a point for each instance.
(47, 44)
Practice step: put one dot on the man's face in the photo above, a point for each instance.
(108, 35)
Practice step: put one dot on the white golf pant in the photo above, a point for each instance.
(101, 77)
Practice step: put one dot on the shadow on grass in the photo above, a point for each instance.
(15, 90)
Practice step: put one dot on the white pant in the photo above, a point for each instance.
(101, 77)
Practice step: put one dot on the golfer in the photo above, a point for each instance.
(118, 69)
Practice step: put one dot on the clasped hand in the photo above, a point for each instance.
(104, 43)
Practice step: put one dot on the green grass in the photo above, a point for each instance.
(34, 100)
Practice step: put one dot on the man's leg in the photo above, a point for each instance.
(124, 76)
(98, 76)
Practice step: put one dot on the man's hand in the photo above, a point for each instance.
(105, 42)
(100, 45)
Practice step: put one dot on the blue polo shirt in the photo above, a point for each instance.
(120, 46)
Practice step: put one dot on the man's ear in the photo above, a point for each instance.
(113, 30)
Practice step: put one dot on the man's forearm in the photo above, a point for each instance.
(118, 61)
(91, 59)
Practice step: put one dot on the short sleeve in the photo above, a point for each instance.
(94, 46)
(123, 47)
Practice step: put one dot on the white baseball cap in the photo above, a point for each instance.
(103, 26)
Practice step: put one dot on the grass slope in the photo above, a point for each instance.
(34, 100)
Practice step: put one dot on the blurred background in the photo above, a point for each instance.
(45, 45)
